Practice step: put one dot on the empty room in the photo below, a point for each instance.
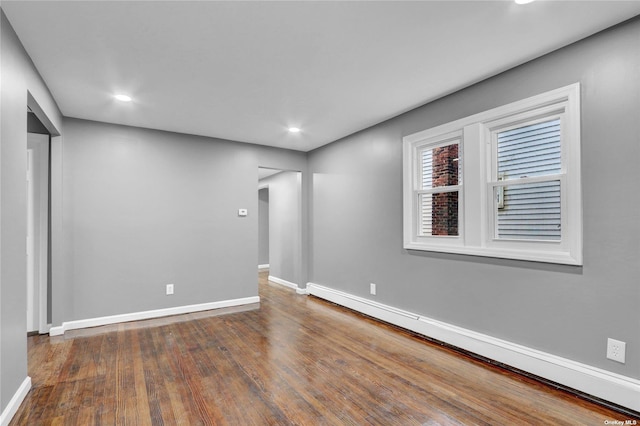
(319, 212)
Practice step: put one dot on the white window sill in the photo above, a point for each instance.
(547, 256)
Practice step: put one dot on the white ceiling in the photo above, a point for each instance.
(246, 71)
(265, 173)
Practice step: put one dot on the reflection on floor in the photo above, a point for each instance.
(290, 359)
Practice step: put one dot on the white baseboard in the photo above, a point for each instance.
(263, 266)
(14, 403)
(621, 390)
(136, 316)
(288, 284)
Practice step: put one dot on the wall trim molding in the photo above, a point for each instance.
(14, 403)
(157, 313)
(288, 284)
(613, 387)
(263, 266)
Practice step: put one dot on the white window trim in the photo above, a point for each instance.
(476, 197)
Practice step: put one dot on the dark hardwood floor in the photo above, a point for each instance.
(290, 360)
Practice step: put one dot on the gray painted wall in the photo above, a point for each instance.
(263, 226)
(356, 216)
(144, 208)
(285, 226)
(19, 79)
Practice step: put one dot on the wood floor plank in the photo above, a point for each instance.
(291, 359)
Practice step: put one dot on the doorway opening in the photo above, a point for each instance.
(280, 225)
(38, 225)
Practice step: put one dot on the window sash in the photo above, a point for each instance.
(537, 154)
(535, 213)
(420, 230)
(449, 227)
(419, 212)
(422, 167)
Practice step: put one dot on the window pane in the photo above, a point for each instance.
(439, 213)
(440, 167)
(531, 211)
(532, 150)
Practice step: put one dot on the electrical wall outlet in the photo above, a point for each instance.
(372, 289)
(616, 350)
(169, 289)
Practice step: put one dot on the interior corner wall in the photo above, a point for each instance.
(285, 226)
(563, 310)
(144, 208)
(20, 80)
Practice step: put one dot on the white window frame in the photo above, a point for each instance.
(477, 209)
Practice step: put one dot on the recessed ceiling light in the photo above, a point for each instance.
(123, 98)
(294, 130)
(524, 1)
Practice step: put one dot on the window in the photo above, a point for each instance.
(521, 197)
(528, 210)
(439, 186)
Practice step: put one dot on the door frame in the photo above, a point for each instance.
(32, 294)
(52, 263)
(38, 153)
